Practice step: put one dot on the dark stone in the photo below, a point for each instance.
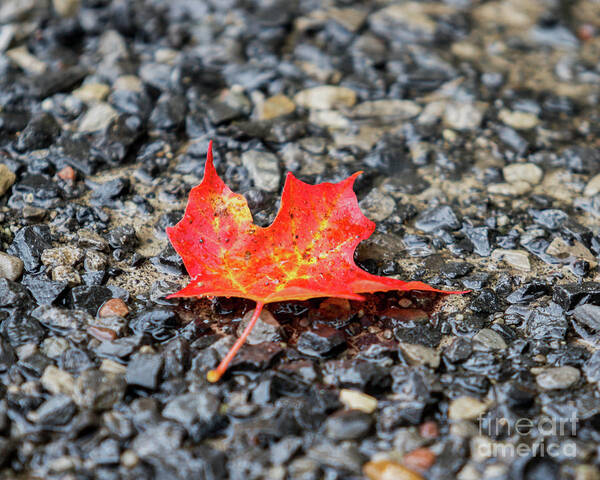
(544, 324)
(168, 261)
(582, 159)
(13, 294)
(169, 112)
(456, 269)
(528, 292)
(418, 333)
(90, 297)
(76, 151)
(486, 302)
(8, 356)
(321, 343)
(475, 281)
(41, 190)
(176, 357)
(133, 103)
(104, 194)
(160, 323)
(591, 368)
(257, 357)
(366, 376)
(57, 410)
(45, 292)
(459, 350)
(75, 360)
(120, 136)
(401, 414)
(220, 112)
(21, 330)
(62, 320)
(197, 412)
(40, 132)
(123, 237)
(33, 366)
(97, 390)
(55, 81)
(29, 243)
(569, 295)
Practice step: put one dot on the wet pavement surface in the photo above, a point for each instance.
(476, 127)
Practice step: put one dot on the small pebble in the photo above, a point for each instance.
(97, 118)
(11, 267)
(113, 307)
(526, 172)
(326, 98)
(518, 259)
(57, 381)
(67, 173)
(358, 400)
(388, 470)
(466, 408)
(518, 120)
(420, 355)
(274, 107)
(419, 460)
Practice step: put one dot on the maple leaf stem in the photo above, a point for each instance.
(216, 374)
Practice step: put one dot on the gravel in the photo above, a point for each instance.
(475, 127)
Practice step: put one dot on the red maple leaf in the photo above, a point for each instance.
(306, 252)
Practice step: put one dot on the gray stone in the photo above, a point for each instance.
(266, 329)
(436, 218)
(377, 206)
(348, 425)
(144, 370)
(57, 410)
(462, 116)
(193, 408)
(589, 315)
(62, 319)
(490, 339)
(97, 390)
(558, 378)
(263, 168)
(420, 355)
